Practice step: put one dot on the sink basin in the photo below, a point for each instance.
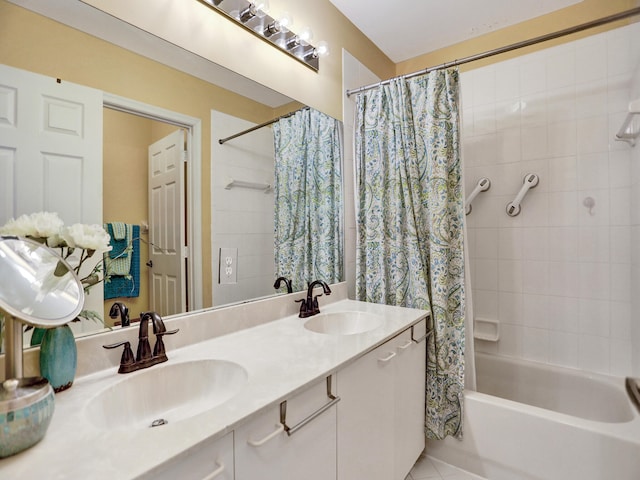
(165, 393)
(343, 323)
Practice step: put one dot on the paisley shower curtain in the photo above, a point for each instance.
(410, 214)
(308, 198)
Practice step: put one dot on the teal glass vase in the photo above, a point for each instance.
(59, 357)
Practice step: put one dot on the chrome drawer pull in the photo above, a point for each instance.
(259, 443)
(283, 411)
(216, 472)
(406, 345)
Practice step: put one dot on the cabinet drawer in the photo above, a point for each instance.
(211, 460)
(264, 451)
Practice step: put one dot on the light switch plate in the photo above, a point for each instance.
(228, 263)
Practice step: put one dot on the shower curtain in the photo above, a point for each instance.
(308, 198)
(410, 219)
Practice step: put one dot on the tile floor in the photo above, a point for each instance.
(427, 468)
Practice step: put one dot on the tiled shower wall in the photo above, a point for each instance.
(561, 278)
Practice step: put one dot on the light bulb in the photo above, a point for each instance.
(285, 21)
(262, 7)
(306, 35)
(322, 49)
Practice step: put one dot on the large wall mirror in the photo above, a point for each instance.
(236, 220)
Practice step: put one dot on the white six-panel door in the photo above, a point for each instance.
(50, 147)
(166, 225)
(51, 154)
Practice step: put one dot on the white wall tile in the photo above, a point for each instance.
(484, 86)
(535, 243)
(591, 60)
(535, 311)
(510, 308)
(510, 342)
(535, 344)
(594, 317)
(563, 349)
(535, 277)
(566, 277)
(563, 314)
(593, 134)
(510, 276)
(563, 174)
(593, 353)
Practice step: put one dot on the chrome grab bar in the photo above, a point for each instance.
(633, 389)
(283, 411)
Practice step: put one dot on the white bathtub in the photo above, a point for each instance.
(533, 421)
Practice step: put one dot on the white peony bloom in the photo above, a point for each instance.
(37, 225)
(88, 237)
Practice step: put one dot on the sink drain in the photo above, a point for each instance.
(159, 422)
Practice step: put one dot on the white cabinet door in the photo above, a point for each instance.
(264, 451)
(366, 416)
(410, 370)
(381, 412)
(209, 461)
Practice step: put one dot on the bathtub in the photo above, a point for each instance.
(534, 421)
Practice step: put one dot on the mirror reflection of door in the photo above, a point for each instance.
(166, 225)
(127, 140)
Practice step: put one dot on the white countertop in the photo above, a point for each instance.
(281, 357)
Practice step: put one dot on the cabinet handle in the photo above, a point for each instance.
(387, 358)
(216, 472)
(406, 345)
(283, 411)
(259, 443)
(418, 340)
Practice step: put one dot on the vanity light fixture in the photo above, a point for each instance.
(253, 17)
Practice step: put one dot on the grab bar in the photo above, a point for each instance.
(483, 185)
(633, 389)
(530, 180)
(283, 411)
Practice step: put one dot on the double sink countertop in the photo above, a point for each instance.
(281, 357)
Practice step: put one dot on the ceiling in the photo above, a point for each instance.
(405, 29)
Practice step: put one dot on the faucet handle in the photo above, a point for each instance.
(127, 361)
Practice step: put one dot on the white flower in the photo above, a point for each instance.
(36, 225)
(87, 237)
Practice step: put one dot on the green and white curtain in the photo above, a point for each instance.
(308, 198)
(410, 214)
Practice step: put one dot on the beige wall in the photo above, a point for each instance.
(582, 12)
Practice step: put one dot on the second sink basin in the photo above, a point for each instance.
(166, 393)
(343, 323)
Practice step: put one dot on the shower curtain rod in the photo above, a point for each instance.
(508, 48)
(257, 127)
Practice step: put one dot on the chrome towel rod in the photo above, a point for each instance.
(508, 48)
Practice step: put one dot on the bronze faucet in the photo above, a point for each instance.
(309, 306)
(144, 357)
(286, 281)
(119, 308)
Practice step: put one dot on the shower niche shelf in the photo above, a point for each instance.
(486, 329)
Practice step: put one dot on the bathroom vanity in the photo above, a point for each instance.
(249, 392)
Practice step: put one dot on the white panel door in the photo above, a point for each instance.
(167, 225)
(50, 147)
(51, 154)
